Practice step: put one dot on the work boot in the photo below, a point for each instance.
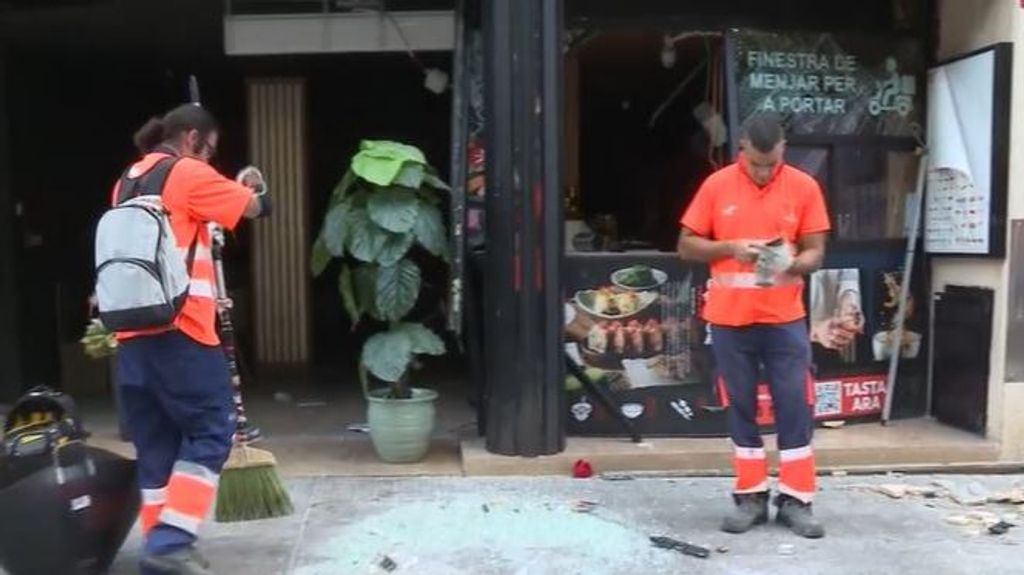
(798, 516)
(751, 509)
(182, 562)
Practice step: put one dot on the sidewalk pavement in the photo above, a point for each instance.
(528, 526)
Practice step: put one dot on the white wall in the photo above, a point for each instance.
(967, 25)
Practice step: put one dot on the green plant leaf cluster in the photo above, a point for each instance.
(385, 206)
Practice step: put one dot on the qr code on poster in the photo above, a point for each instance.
(829, 400)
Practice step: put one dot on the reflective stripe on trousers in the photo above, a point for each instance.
(191, 492)
(751, 465)
(153, 501)
(797, 474)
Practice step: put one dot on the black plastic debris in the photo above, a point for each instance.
(583, 506)
(1000, 528)
(685, 548)
(388, 564)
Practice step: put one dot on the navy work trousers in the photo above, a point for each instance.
(782, 353)
(176, 401)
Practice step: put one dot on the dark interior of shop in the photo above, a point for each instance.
(640, 159)
(643, 151)
(79, 93)
(365, 97)
(78, 102)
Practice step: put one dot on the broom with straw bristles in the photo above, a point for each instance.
(250, 487)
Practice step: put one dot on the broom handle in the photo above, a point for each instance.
(227, 333)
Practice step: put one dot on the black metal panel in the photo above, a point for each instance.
(10, 372)
(457, 177)
(1002, 108)
(551, 220)
(239, 7)
(867, 15)
(522, 309)
(963, 342)
(498, 317)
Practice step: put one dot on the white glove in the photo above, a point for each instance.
(252, 177)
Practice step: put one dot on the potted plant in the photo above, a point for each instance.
(385, 211)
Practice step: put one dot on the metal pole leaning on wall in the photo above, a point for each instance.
(896, 335)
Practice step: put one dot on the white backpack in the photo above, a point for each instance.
(142, 277)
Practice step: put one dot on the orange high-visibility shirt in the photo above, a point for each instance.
(730, 206)
(194, 195)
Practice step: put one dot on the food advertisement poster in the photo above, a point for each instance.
(632, 322)
(888, 286)
(836, 317)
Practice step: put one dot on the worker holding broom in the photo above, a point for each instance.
(761, 225)
(174, 381)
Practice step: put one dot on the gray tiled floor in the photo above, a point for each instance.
(524, 526)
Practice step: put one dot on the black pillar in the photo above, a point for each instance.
(522, 284)
(10, 364)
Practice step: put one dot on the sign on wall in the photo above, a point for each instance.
(968, 141)
(828, 84)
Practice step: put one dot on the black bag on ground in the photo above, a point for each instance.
(65, 507)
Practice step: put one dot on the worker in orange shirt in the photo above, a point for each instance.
(762, 225)
(174, 382)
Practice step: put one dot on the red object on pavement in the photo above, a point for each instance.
(582, 469)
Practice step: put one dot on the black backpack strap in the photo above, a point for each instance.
(150, 183)
(127, 188)
(191, 257)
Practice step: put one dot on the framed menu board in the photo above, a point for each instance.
(968, 137)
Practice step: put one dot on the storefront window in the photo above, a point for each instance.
(870, 193)
(811, 159)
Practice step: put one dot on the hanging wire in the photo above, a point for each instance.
(401, 34)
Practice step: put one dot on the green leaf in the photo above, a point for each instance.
(320, 257)
(336, 228)
(348, 296)
(429, 196)
(343, 187)
(365, 239)
(391, 149)
(430, 232)
(395, 248)
(387, 355)
(435, 182)
(411, 175)
(423, 340)
(359, 196)
(394, 209)
(365, 283)
(379, 162)
(398, 287)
